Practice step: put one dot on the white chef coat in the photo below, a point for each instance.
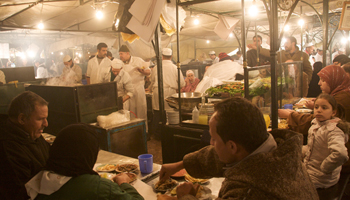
(216, 60)
(124, 84)
(2, 77)
(219, 72)
(77, 70)
(318, 58)
(170, 83)
(41, 72)
(137, 103)
(96, 71)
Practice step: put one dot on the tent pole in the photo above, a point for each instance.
(178, 58)
(274, 47)
(325, 31)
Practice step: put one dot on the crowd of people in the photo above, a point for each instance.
(295, 163)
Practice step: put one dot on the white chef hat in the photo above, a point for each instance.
(342, 49)
(320, 48)
(211, 52)
(167, 52)
(117, 64)
(66, 58)
(309, 44)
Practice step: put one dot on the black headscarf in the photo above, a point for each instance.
(74, 151)
(314, 88)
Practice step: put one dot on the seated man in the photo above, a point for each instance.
(191, 82)
(69, 172)
(23, 151)
(255, 164)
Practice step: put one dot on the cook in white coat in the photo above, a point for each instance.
(42, 72)
(99, 66)
(137, 70)
(124, 84)
(70, 67)
(170, 86)
(213, 56)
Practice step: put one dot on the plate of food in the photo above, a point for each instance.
(179, 174)
(106, 168)
(304, 110)
(196, 180)
(107, 175)
(165, 186)
(128, 167)
(203, 193)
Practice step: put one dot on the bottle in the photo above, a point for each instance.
(203, 113)
(195, 115)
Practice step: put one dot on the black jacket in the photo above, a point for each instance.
(21, 158)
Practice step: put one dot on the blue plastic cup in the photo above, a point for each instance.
(146, 163)
(288, 106)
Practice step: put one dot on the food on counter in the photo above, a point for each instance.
(126, 168)
(180, 173)
(107, 167)
(283, 124)
(230, 88)
(166, 185)
(195, 180)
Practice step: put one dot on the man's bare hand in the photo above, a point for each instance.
(169, 169)
(284, 113)
(121, 178)
(251, 46)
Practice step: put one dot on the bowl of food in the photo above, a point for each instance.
(188, 100)
(304, 110)
(127, 167)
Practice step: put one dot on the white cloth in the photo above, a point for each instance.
(240, 60)
(96, 71)
(170, 83)
(2, 77)
(318, 58)
(41, 72)
(124, 84)
(335, 54)
(77, 70)
(45, 182)
(219, 72)
(325, 152)
(216, 60)
(312, 61)
(137, 103)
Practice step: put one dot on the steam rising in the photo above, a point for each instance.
(66, 79)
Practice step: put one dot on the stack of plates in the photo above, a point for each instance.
(173, 117)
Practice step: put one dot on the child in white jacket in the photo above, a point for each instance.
(325, 151)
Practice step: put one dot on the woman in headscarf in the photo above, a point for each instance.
(69, 170)
(191, 82)
(333, 81)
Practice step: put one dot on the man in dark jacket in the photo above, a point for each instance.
(254, 163)
(252, 54)
(23, 150)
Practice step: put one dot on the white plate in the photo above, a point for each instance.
(304, 110)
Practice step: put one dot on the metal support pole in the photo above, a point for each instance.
(160, 75)
(325, 31)
(195, 48)
(244, 53)
(257, 49)
(178, 57)
(274, 46)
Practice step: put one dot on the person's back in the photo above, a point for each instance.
(91, 187)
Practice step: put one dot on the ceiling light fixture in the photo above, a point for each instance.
(344, 40)
(253, 10)
(208, 41)
(286, 28)
(301, 22)
(196, 21)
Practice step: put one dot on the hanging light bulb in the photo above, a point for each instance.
(286, 28)
(301, 22)
(208, 41)
(231, 35)
(41, 25)
(196, 21)
(344, 40)
(253, 10)
(61, 53)
(51, 52)
(99, 14)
